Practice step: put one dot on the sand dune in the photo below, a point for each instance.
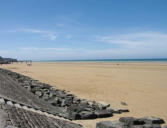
(143, 86)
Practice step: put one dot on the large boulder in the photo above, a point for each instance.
(104, 113)
(131, 122)
(141, 121)
(109, 124)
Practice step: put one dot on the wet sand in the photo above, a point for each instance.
(143, 86)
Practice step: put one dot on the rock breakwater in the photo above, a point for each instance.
(75, 107)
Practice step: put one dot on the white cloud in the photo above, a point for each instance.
(139, 38)
(49, 34)
(42, 49)
(148, 43)
(34, 30)
(131, 45)
(36, 53)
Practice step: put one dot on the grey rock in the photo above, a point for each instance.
(45, 96)
(87, 115)
(151, 126)
(103, 105)
(123, 103)
(119, 111)
(109, 124)
(104, 113)
(131, 122)
(38, 93)
(54, 101)
(153, 120)
(63, 103)
(123, 110)
(68, 101)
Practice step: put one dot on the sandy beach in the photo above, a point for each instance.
(143, 86)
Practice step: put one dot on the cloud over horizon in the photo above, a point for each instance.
(148, 44)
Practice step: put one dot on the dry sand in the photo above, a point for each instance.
(143, 86)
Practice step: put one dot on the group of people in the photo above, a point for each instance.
(28, 63)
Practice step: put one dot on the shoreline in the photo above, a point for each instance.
(105, 62)
(109, 60)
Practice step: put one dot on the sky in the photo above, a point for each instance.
(83, 29)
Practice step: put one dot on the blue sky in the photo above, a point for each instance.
(83, 29)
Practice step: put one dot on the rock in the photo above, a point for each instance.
(104, 113)
(54, 101)
(68, 101)
(34, 89)
(123, 110)
(123, 103)
(151, 126)
(28, 88)
(76, 100)
(38, 93)
(103, 105)
(87, 115)
(63, 103)
(119, 111)
(73, 116)
(45, 96)
(69, 95)
(50, 95)
(153, 120)
(77, 108)
(2, 101)
(109, 124)
(131, 122)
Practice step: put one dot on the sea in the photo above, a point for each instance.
(110, 60)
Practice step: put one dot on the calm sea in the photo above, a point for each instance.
(110, 60)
